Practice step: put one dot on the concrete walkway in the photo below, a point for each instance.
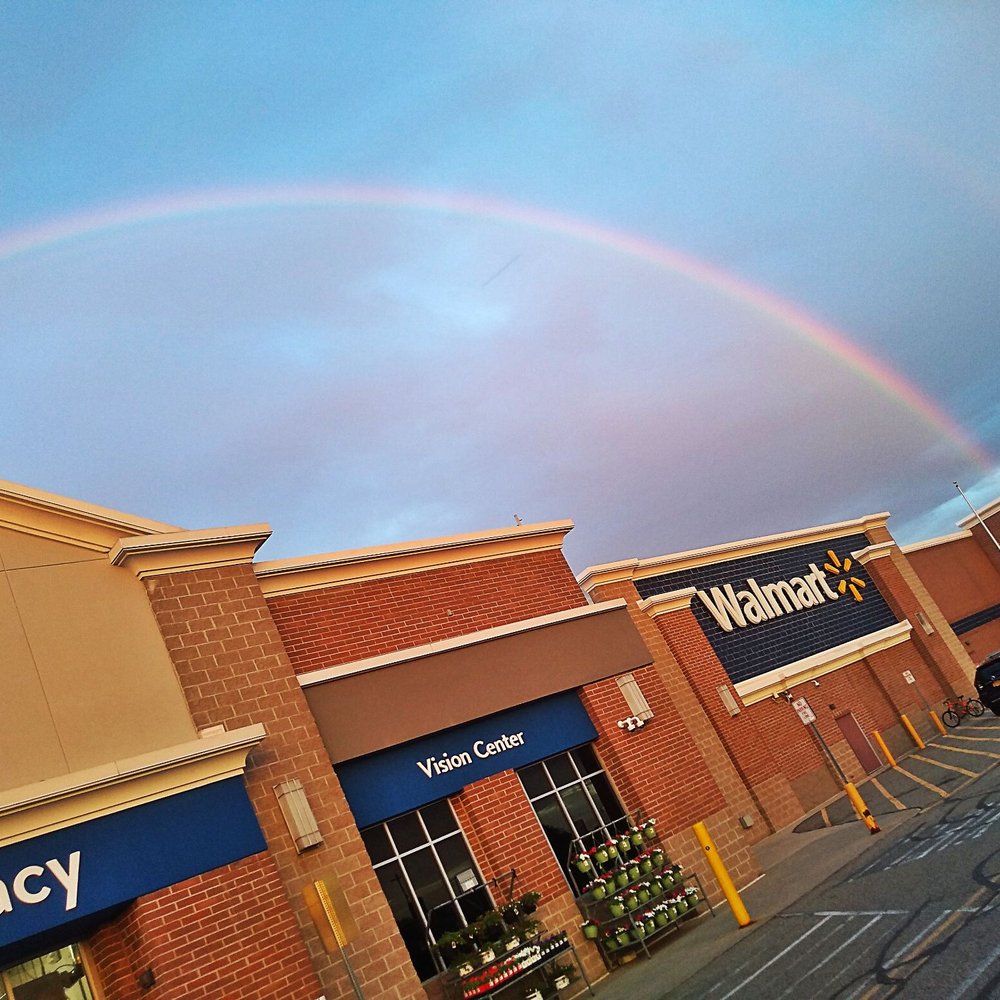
(799, 859)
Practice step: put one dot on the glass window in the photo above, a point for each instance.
(572, 797)
(422, 861)
(57, 975)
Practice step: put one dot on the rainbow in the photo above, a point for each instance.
(778, 311)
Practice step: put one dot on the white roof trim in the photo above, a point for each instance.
(324, 674)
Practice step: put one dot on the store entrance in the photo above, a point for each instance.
(56, 975)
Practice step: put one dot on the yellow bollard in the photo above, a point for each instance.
(914, 735)
(721, 875)
(861, 809)
(937, 722)
(889, 759)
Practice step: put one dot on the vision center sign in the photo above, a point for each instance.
(412, 774)
(762, 611)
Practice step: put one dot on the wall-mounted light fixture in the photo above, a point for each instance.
(298, 814)
(634, 697)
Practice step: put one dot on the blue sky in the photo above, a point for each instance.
(368, 369)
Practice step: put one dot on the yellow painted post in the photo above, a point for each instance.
(937, 722)
(861, 809)
(889, 759)
(721, 875)
(914, 735)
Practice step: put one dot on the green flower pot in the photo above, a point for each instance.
(621, 879)
(650, 925)
(636, 839)
(616, 908)
(583, 865)
(632, 901)
(661, 919)
(633, 872)
(612, 851)
(646, 865)
(672, 912)
(622, 938)
(649, 831)
(590, 931)
(682, 905)
(643, 895)
(599, 892)
(601, 855)
(657, 857)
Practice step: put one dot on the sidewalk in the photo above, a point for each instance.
(795, 863)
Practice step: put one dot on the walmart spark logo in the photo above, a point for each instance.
(836, 567)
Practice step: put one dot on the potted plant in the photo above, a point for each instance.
(612, 848)
(529, 901)
(633, 872)
(635, 835)
(583, 863)
(561, 976)
(590, 929)
(601, 854)
(616, 907)
(657, 857)
(621, 878)
(649, 828)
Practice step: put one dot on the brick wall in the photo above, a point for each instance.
(321, 628)
(746, 744)
(692, 776)
(233, 669)
(226, 935)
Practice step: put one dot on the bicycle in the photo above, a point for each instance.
(956, 708)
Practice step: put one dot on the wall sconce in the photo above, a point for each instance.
(467, 880)
(634, 697)
(631, 724)
(298, 815)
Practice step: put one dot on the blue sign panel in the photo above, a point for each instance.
(81, 870)
(764, 611)
(412, 774)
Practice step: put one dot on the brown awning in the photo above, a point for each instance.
(373, 709)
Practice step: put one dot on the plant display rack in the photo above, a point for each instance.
(524, 965)
(630, 892)
(530, 959)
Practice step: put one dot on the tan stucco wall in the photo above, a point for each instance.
(85, 678)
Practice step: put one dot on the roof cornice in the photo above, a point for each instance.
(61, 519)
(184, 551)
(987, 510)
(636, 569)
(280, 577)
(929, 543)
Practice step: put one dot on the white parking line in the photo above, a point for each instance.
(781, 954)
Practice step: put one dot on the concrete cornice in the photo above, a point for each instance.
(986, 511)
(662, 604)
(290, 576)
(636, 569)
(873, 552)
(61, 519)
(811, 668)
(183, 551)
(930, 543)
(33, 810)
(458, 642)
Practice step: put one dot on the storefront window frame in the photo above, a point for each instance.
(8, 991)
(616, 825)
(455, 893)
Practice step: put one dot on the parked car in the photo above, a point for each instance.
(988, 682)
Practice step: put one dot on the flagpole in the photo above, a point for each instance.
(978, 518)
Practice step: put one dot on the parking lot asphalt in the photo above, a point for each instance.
(800, 858)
